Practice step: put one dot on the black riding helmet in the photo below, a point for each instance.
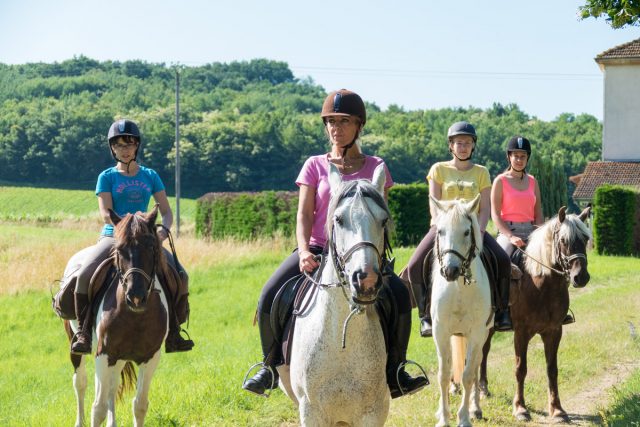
(519, 143)
(123, 127)
(343, 102)
(462, 128)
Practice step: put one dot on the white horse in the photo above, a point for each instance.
(131, 323)
(461, 302)
(337, 373)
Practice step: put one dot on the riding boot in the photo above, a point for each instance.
(174, 341)
(265, 378)
(422, 297)
(568, 319)
(81, 342)
(503, 317)
(399, 381)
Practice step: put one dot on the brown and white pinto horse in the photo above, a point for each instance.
(131, 322)
(554, 258)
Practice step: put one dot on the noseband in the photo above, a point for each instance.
(122, 277)
(465, 267)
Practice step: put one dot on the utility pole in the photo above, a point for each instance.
(177, 68)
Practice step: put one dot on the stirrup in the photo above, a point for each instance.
(273, 379)
(399, 368)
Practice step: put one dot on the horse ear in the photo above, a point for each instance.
(334, 178)
(562, 214)
(472, 206)
(436, 204)
(152, 216)
(115, 218)
(585, 214)
(379, 178)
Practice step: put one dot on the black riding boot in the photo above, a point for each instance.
(422, 297)
(400, 382)
(81, 342)
(503, 317)
(264, 379)
(174, 341)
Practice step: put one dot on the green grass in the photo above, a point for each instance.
(202, 387)
(46, 205)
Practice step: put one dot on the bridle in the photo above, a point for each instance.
(564, 261)
(149, 279)
(465, 267)
(340, 260)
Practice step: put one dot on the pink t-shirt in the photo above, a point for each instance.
(315, 173)
(518, 206)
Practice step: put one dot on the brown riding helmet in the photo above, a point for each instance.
(343, 102)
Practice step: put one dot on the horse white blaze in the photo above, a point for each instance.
(460, 305)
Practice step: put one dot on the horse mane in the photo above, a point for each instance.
(541, 247)
(357, 189)
(133, 226)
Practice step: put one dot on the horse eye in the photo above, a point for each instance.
(338, 219)
(385, 222)
(466, 233)
(441, 232)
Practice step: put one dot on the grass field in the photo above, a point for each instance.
(202, 387)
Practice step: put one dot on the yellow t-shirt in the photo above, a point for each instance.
(457, 184)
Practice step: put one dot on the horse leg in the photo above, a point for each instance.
(141, 401)
(103, 388)
(483, 381)
(312, 416)
(551, 340)
(114, 380)
(443, 348)
(469, 382)
(79, 385)
(520, 344)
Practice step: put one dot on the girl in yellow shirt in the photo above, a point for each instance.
(459, 178)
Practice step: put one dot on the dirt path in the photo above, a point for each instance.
(583, 407)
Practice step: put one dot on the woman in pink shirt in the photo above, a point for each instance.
(515, 198)
(516, 207)
(344, 116)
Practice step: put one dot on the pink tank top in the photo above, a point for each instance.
(518, 206)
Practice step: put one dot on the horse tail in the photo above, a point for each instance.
(458, 351)
(128, 379)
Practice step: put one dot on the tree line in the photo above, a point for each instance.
(245, 126)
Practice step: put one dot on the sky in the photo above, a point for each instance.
(416, 54)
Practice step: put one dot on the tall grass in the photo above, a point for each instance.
(202, 387)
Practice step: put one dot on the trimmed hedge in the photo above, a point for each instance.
(615, 221)
(252, 215)
(246, 215)
(409, 206)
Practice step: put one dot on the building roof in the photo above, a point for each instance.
(599, 173)
(627, 52)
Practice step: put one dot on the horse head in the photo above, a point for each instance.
(570, 245)
(356, 226)
(137, 255)
(458, 237)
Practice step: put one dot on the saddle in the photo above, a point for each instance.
(297, 296)
(63, 303)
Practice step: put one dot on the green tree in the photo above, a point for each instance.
(619, 13)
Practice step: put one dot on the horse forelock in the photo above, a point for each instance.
(358, 189)
(541, 245)
(456, 216)
(132, 227)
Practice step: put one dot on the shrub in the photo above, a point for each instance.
(409, 206)
(615, 213)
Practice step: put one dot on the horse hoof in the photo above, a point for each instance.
(561, 418)
(477, 415)
(522, 415)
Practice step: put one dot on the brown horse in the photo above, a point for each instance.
(554, 258)
(131, 322)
